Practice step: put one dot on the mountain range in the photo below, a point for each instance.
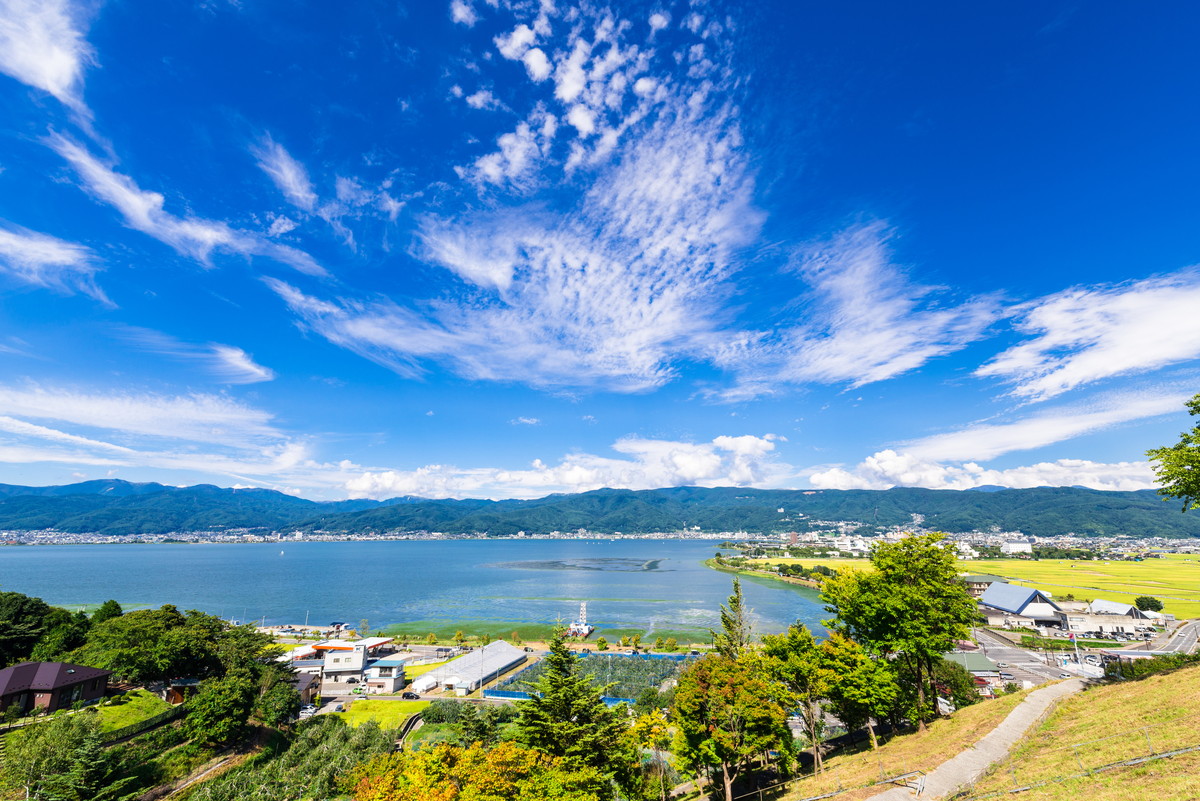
(115, 507)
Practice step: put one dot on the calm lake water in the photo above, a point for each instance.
(654, 584)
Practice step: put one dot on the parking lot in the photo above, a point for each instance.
(1024, 665)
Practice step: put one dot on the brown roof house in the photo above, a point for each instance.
(50, 685)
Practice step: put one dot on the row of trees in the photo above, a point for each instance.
(882, 661)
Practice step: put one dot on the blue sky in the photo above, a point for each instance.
(505, 248)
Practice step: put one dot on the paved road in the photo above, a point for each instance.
(1185, 638)
(1025, 665)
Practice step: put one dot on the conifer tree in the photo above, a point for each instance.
(566, 717)
(735, 625)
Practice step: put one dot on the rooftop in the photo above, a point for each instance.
(44, 676)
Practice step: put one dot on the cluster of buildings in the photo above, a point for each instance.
(374, 666)
(1013, 606)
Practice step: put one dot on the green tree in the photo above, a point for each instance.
(671, 645)
(108, 609)
(431, 639)
(566, 717)
(736, 630)
(64, 633)
(601, 644)
(364, 629)
(1177, 467)
(23, 621)
(796, 660)
(278, 702)
(459, 637)
(913, 607)
(727, 714)
(61, 760)
(861, 689)
(1148, 603)
(219, 711)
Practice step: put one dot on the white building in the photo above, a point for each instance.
(470, 671)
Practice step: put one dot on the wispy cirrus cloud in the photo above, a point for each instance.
(289, 175)
(43, 260)
(644, 464)
(229, 364)
(145, 211)
(605, 287)
(863, 322)
(43, 43)
(1087, 334)
(194, 433)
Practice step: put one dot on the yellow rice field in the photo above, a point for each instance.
(1173, 579)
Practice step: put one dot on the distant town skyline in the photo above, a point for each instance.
(506, 248)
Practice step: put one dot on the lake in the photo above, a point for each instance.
(658, 586)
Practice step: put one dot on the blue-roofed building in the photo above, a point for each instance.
(1012, 605)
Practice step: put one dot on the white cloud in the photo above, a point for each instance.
(583, 120)
(891, 469)
(229, 364)
(43, 260)
(570, 78)
(43, 44)
(280, 225)
(514, 160)
(144, 211)
(238, 367)
(866, 322)
(462, 12)
(537, 64)
(289, 175)
(204, 434)
(195, 417)
(525, 421)
(1086, 334)
(659, 20)
(482, 99)
(984, 441)
(644, 86)
(516, 43)
(644, 464)
(606, 295)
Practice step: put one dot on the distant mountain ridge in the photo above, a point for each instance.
(115, 507)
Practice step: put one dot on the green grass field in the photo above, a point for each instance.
(140, 706)
(1175, 579)
(387, 713)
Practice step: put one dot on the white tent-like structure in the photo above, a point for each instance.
(470, 671)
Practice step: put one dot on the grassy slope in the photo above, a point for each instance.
(921, 751)
(140, 706)
(1106, 725)
(1175, 579)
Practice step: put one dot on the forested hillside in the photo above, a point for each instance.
(117, 507)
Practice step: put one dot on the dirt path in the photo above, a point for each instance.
(965, 769)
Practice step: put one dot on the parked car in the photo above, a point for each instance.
(342, 708)
(1064, 675)
(1007, 676)
(1001, 664)
(410, 696)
